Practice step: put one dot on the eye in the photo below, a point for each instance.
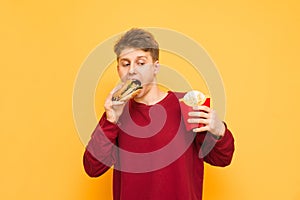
(140, 62)
(125, 64)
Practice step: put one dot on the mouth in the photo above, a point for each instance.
(136, 82)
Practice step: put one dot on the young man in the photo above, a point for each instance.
(149, 124)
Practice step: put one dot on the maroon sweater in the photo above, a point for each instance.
(154, 157)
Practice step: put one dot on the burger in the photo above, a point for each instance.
(129, 90)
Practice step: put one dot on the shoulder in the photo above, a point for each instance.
(178, 95)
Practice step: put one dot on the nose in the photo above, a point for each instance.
(132, 69)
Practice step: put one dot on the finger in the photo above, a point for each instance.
(117, 103)
(203, 108)
(201, 129)
(197, 121)
(108, 102)
(198, 114)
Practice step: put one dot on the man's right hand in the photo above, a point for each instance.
(114, 109)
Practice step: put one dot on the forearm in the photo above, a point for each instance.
(100, 153)
(217, 152)
(92, 166)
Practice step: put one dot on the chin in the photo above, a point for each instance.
(140, 95)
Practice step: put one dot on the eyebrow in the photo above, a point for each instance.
(138, 57)
(124, 59)
(142, 57)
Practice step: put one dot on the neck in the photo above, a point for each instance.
(151, 96)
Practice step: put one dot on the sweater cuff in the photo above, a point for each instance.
(110, 129)
(225, 138)
(221, 138)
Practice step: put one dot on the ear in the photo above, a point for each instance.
(156, 67)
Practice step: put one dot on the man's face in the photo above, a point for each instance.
(137, 64)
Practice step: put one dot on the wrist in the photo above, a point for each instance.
(111, 118)
(222, 130)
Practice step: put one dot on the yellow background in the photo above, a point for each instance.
(255, 45)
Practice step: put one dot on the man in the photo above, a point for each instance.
(120, 136)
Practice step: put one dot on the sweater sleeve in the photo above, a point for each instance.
(100, 153)
(217, 152)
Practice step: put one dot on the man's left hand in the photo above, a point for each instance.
(209, 118)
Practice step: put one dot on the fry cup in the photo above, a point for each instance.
(185, 109)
